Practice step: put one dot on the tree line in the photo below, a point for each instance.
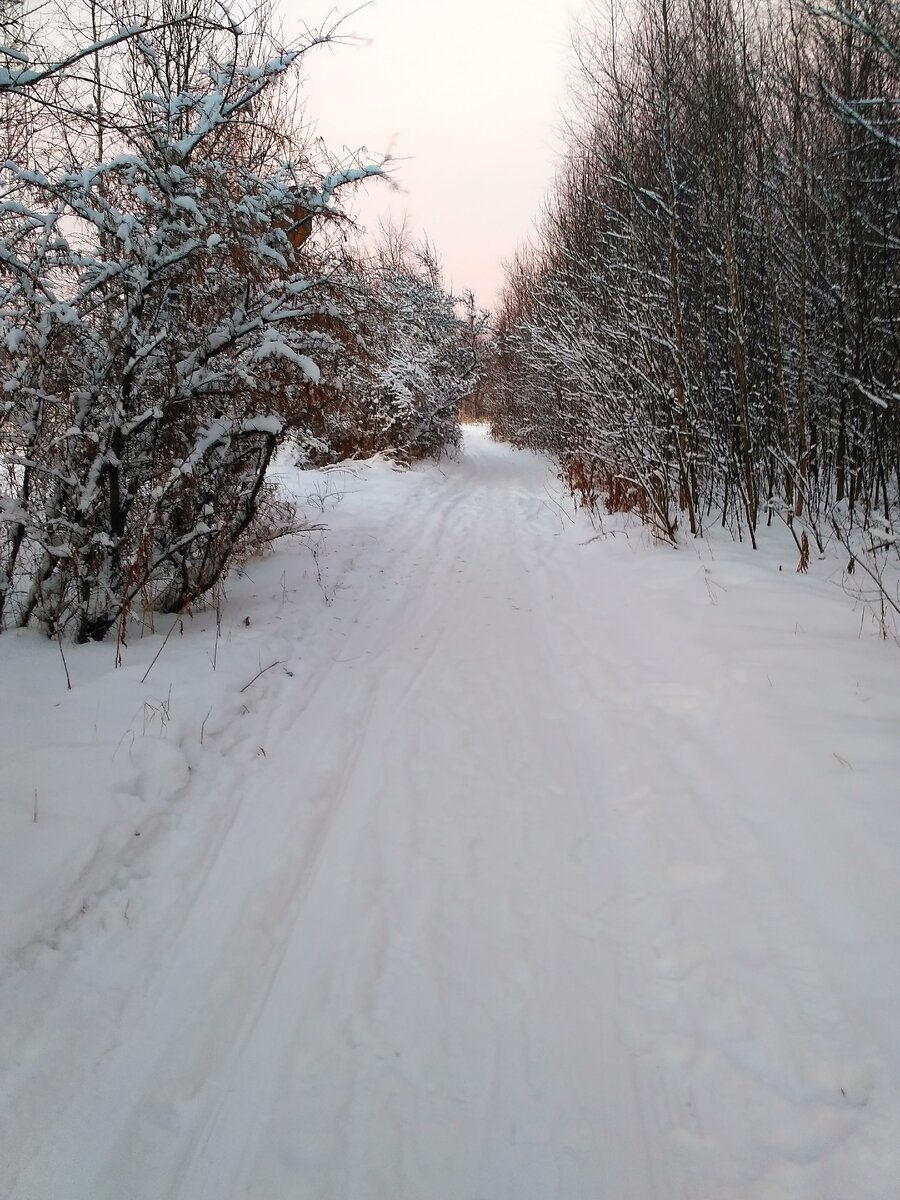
(181, 292)
(706, 325)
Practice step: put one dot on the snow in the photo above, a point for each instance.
(271, 425)
(15, 79)
(273, 345)
(189, 204)
(499, 856)
(12, 52)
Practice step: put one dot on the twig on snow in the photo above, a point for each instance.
(262, 671)
(65, 664)
(160, 650)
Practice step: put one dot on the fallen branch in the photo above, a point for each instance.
(160, 650)
(262, 671)
(65, 664)
(873, 575)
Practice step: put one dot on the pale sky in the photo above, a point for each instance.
(467, 94)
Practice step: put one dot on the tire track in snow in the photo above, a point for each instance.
(472, 929)
(739, 1014)
(161, 1102)
(284, 965)
(505, 1035)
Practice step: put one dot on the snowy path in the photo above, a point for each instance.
(546, 887)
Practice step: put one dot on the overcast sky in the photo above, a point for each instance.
(467, 94)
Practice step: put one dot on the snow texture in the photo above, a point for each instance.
(543, 864)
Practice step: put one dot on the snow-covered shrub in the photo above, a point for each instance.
(158, 316)
(409, 365)
(706, 321)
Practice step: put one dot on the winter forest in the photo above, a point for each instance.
(448, 741)
(701, 329)
(704, 328)
(179, 296)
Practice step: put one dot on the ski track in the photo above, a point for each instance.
(495, 918)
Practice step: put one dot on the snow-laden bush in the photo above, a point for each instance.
(419, 373)
(159, 315)
(705, 326)
(408, 366)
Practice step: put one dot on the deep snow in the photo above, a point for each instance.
(544, 864)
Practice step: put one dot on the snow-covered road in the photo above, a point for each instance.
(557, 868)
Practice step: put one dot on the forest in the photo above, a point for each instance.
(182, 292)
(450, 755)
(705, 325)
